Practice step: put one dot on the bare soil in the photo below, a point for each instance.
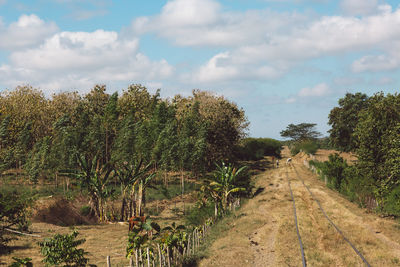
(265, 233)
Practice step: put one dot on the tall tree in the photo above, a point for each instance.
(377, 142)
(301, 132)
(344, 119)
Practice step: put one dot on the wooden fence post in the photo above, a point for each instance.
(159, 255)
(168, 259)
(108, 261)
(148, 257)
(130, 261)
(136, 257)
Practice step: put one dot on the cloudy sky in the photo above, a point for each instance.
(283, 61)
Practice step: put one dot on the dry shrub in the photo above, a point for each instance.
(59, 211)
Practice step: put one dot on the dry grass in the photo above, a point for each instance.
(265, 235)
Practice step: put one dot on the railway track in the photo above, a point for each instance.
(304, 262)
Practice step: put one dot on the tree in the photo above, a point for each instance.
(344, 119)
(377, 143)
(300, 132)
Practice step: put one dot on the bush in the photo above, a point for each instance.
(63, 249)
(12, 215)
(198, 215)
(334, 170)
(392, 202)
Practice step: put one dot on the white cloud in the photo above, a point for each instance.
(318, 90)
(203, 23)
(28, 31)
(359, 7)
(263, 44)
(69, 60)
(375, 63)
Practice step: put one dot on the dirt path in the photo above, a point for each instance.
(265, 233)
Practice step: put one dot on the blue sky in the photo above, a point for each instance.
(282, 61)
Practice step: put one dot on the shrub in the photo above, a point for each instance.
(334, 169)
(63, 249)
(198, 215)
(12, 214)
(392, 202)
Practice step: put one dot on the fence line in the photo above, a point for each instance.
(164, 256)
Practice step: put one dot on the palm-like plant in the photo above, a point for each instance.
(95, 177)
(129, 176)
(224, 185)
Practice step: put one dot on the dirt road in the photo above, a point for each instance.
(265, 233)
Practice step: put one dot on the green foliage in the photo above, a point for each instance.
(392, 202)
(300, 132)
(344, 119)
(334, 169)
(310, 147)
(13, 215)
(63, 249)
(257, 148)
(21, 262)
(379, 145)
(142, 235)
(222, 188)
(198, 215)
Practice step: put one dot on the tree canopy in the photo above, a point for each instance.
(300, 132)
(344, 119)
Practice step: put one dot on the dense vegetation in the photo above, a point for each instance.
(370, 126)
(97, 140)
(257, 148)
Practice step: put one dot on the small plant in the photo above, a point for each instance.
(63, 249)
(21, 262)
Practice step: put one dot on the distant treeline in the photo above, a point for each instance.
(46, 136)
(257, 148)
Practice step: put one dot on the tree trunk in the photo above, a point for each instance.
(183, 189)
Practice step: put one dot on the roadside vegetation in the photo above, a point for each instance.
(370, 127)
(115, 154)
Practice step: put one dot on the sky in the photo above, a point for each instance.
(282, 61)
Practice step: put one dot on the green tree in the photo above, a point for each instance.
(344, 119)
(377, 139)
(300, 132)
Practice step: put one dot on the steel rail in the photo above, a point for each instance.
(295, 220)
(330, 221)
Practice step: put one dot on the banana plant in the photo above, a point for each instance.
(224, 182)
(142, 235)
(128, 175)
(174, 236)
(95, 177)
